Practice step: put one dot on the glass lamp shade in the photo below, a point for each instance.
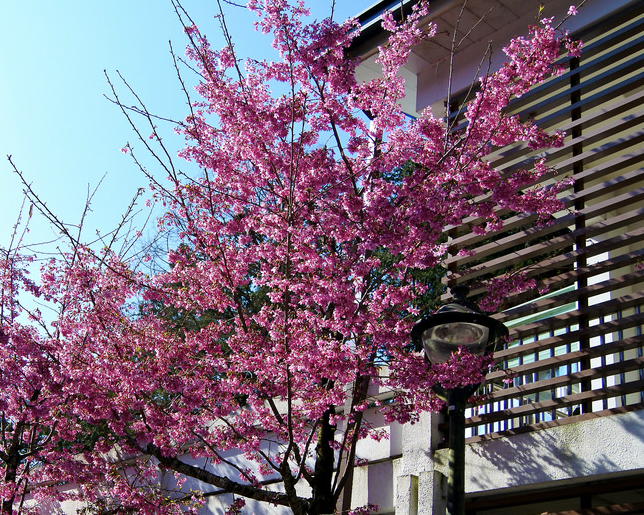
(441, 340)
(455, 326)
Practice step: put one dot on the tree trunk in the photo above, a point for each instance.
(323, 502)
(9, 477)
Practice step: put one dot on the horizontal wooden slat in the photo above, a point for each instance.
(616, 245)
(599, 190)
(596, 230)
(559, 403)
(566, 380)
(633, 159)
(568, 320)
(580, 347)
(492, 435)
(593, 52)
(599, 83)
(570, 358)
(594, 290)
(568, 278)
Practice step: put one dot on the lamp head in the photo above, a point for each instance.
(457, 324)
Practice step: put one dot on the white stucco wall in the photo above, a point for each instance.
(581, 451)
(594, 447)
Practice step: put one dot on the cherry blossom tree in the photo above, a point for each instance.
(27, 396)
(284, 314)
(34, 382)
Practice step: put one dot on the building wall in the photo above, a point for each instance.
(579, 444)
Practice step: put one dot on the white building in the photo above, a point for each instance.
(567, 437)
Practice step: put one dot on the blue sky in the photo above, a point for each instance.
(55, 121)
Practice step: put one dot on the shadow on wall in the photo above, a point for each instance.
(605, 445)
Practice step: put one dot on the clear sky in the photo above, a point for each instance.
(55, 121)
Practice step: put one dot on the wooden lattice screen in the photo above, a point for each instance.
(577, 351)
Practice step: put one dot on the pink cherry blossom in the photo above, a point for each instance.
(288, 296)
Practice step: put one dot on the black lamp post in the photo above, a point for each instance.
(457, 324)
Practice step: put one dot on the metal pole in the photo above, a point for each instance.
(456, 401)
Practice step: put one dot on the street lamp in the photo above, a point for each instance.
(457, 324)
